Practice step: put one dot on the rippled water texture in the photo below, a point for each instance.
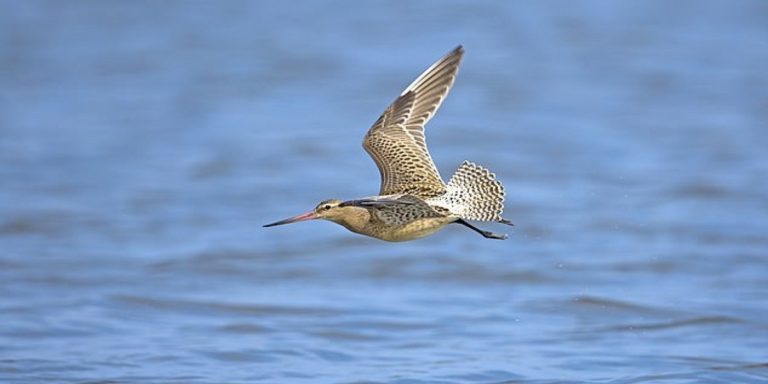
(144, 143)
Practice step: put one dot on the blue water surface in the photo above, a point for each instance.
(144, 143)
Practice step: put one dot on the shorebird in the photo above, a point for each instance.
(413, 200)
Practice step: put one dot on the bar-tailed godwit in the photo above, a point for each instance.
(414, 201)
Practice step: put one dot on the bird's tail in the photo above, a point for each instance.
(473, 193)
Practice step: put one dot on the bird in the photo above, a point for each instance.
(413, 201)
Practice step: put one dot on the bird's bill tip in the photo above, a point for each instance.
(295, 219)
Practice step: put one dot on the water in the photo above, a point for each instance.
(143, 145)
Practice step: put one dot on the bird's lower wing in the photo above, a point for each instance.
(395, 210)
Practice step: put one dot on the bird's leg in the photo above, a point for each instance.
(486, 234)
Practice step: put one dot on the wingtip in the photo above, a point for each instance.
(459, 49)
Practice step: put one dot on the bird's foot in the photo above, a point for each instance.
(486, 234)
(495, 236)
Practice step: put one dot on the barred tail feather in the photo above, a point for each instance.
(473, 193)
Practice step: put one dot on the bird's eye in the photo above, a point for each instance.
(327, 206)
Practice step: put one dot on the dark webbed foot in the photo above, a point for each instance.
(486, 234)
(491, 235)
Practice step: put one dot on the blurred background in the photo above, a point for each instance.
(144, 143)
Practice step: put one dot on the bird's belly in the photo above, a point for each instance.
(411, 231)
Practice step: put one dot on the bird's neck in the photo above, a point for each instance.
(353, 218)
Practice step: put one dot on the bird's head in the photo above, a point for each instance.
(326, 209)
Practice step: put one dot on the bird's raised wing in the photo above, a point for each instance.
(396, 140)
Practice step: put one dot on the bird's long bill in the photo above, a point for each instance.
(302, 217)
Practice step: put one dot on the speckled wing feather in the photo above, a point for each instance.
(473, 193)
(403, 210)
(396, 140)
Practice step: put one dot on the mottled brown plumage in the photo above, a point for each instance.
(413, 200)
(396, 141)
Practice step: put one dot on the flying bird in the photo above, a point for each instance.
(413, 200)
